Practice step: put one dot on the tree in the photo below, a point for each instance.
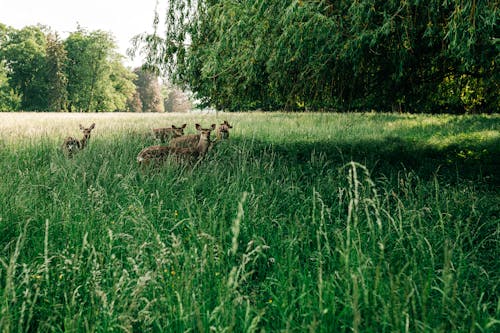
(134, 103)
(83, 72)
(148, 90)
(55, 73)
(24, 53)
(9, 99)
(120, 87)
(411, 55)
(176, 100)
(96, 79)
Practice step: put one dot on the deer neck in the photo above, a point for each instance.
(83, 141)
(203, 145)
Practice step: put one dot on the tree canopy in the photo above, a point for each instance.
(149, 91)
(41, 72)
(410, 55)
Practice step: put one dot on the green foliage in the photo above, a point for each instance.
(9, 100)
(121, 87)
(279, 229)
(55, 71)
(94, 80)
(148, 91)
(81, 73)
(368, 54)
(24, 53)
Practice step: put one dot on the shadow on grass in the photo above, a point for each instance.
(477, 162)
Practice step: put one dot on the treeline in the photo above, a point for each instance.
(405, 55)
(41, 72)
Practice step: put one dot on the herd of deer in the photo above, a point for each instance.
(186, 147)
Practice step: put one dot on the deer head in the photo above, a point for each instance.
(167, 133)
(178, 131)
(86, 134)
(223, 130)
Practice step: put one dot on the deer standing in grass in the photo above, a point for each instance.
(191, 140)
(167, 133)
(159, 153)
(72, 145)
(223, 131)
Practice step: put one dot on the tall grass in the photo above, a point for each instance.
(301, 222)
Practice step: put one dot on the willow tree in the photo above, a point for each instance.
(367, 54)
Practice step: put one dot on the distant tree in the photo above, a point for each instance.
(176, 100)
(86, 67)
(166, 89)
(9, 99)
(83, 72)
(55, 73)
(134, 103)
(96, 79)
(24, 54)
(119, 86)
(149, 90)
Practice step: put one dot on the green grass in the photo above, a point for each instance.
(301, 222)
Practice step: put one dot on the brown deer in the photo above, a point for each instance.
(223, 131)
(159, 153)
(72, 145)
(167, 133)
(191, 140)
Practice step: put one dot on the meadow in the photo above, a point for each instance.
(299, 222)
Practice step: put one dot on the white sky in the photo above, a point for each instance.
(124, 19)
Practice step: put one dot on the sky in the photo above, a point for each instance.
(123, 19)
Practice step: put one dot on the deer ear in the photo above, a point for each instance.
(173, 126)
(213, 126)
(81, 127)
(184, 126)
(92, 126)
(198, 127)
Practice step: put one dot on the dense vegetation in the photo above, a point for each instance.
(84, 72)
(411, 55)
(301, 222)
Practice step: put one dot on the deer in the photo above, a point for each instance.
(223, 131)
(191, 140)
(72, 145)
(167, 133)
(159, 153)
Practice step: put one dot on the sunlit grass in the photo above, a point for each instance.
(466, 139)
(301, 222)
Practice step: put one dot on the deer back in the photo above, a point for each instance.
(185, 141)
(160, 153)
(70, 145)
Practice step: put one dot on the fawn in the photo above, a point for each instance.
(223, 131)
(191, 140)
(167, 133)
(72, 145)
(158, 153)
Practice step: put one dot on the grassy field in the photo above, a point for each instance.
(300, 222)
